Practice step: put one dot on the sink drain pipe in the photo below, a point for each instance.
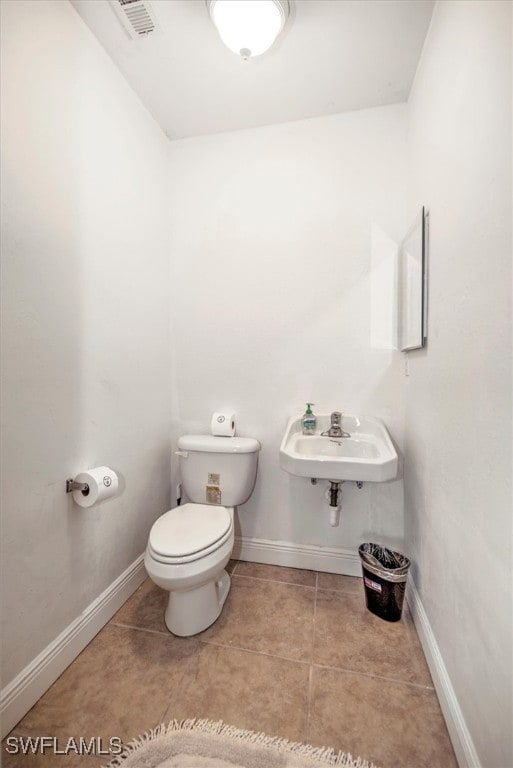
(334, 496)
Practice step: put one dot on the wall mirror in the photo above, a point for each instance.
(413, 285)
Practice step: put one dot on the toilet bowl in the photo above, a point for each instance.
(191, 570)
(190, 545)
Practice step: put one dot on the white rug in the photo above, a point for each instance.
(208, 744)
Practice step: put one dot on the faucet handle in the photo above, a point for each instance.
(336, 418)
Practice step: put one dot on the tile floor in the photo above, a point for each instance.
(295, 653)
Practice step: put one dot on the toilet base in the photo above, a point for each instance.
(193, 610)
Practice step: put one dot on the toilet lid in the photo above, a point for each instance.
(188, 529)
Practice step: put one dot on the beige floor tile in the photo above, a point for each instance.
(277, 573)
(251, 669)
(340, 583)
(245, 689)
(120, 685)
(266, 616)
(349, 637)
(395, 725)
(145, 608)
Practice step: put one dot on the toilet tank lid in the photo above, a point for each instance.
(213, 444)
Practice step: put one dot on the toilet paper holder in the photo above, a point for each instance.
(72, 485)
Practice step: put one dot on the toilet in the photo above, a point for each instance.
(190, 545)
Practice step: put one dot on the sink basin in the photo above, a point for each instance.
(367, 455)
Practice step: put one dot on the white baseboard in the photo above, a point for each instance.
(460, 736)
(22, 693)
(308, 556)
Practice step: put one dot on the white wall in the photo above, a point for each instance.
(86, 321)
(276, 234)
(458, 514)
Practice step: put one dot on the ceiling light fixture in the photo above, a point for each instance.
(248, 27)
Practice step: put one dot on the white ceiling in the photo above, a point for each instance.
(334, 56)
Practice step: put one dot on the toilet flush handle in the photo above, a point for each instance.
(183, 454)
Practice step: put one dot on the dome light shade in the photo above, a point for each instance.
(248, 27)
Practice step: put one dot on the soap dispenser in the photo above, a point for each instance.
(309, 420)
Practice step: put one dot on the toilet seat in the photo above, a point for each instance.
(188, 533)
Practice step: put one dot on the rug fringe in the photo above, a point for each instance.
(324, 755)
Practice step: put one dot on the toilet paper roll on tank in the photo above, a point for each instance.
(102, 482)
(223, 424)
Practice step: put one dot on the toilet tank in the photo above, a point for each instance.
(218, 470)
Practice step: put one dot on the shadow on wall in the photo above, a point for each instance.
(384, 286)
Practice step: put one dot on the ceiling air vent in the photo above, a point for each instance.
(137, 17)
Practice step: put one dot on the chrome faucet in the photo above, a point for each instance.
(335, 429)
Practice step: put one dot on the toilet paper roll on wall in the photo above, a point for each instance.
(223, 424)
(102, 482)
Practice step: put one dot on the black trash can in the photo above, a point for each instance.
(384, 577)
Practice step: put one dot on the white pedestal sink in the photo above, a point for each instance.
(366, 455)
